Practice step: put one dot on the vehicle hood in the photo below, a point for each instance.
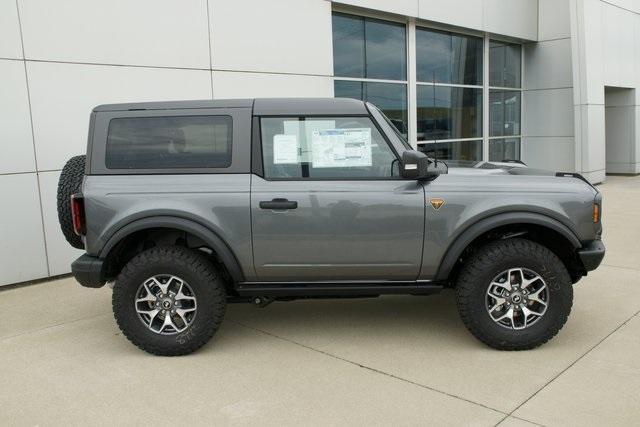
(516, 175)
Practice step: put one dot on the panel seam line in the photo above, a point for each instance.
(33, 143)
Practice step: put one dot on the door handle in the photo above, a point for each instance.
(278, 204)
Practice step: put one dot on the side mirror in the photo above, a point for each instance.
(416, 165)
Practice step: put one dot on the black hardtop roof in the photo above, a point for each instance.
(261, 106)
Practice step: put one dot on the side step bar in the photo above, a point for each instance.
(253, 289)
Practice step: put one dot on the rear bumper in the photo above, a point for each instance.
(591, 254)
(89, 271)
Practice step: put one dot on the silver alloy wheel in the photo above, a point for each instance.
(517, 298)
(166, 304)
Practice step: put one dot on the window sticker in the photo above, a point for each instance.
(285, 149)
(335, 148)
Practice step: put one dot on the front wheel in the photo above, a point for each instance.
(169, 300)
(514, 294)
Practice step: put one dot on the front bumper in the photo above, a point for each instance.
(591, 254)
(89, 271)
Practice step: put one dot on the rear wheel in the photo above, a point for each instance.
(514, 294)
(169, 301)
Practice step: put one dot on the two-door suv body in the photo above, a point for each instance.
(186, 206)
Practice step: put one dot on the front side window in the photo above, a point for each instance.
(325, 148)
(180, 142)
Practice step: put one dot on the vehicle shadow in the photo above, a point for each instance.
(322, 322)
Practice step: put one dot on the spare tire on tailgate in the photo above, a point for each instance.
(70, 183)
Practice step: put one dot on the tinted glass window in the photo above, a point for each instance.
(169, 142)
(449, 112)
(325, 148)
(348, 45)
(368, 48)
(386, 55)
(504, 64)
(504, 149)
(504, 114)
(448, 58)
(390, 98)
(459, 150)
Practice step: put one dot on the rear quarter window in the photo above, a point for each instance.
(176, 142)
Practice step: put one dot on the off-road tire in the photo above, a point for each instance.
(69, 183)
(202, 277)
(491, 260)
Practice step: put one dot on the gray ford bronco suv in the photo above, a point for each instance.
(187, 206)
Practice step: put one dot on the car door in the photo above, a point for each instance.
(330, 205)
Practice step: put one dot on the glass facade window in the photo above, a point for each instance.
(390, 98)
(504, 64)
(452, 85)
(505, 71)
(369, 49)
(504, 112)
(454, 150)
(449, 94)
(448, 58)
(504, 149)
(448, 112)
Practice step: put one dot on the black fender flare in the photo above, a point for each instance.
(480, 227)
(207, 235)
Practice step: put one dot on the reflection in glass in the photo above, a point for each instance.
(504, 112)
(458, 150)
(449, 112)
(390, 98)
(368, 48)
(504, 149)
(504, 64)
(448, 58)
(294, 147)
(169, 142)
(348, 45)
(386, 54)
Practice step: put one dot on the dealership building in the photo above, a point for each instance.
(549, 82)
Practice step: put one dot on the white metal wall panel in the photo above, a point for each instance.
(164, 33)
(261, 85)
(15, 125)
(22, 253)
(10, 44)
(284, 36)
(62, 96)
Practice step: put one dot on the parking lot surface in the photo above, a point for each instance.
(390, 360)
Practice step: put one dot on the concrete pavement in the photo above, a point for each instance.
(391, 360)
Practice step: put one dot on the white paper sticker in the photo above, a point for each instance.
(333, 148)
(285, 149)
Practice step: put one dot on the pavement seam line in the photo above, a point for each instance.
(374, 370)
(44, 328)
(621, 267)
(521, 419)
(570, 366)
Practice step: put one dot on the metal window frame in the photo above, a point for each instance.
(411, 25)
(489, 88)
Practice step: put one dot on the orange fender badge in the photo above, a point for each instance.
(436, 203)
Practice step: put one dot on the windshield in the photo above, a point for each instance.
(400, 136)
